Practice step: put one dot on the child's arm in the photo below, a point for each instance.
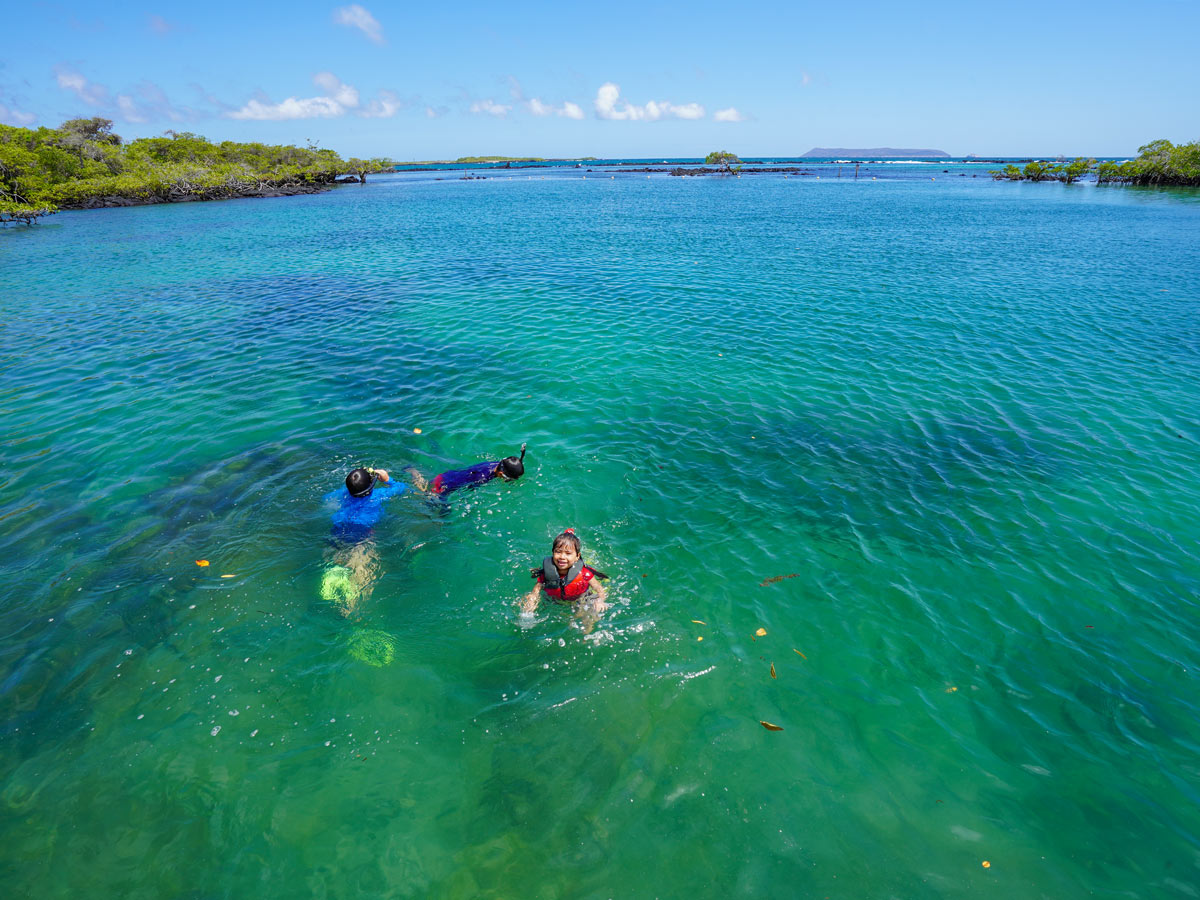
(600, 601)
(530, 603)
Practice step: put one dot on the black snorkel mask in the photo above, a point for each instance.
(513, 467)
(360, 482)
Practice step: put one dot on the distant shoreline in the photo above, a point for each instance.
(887, 152)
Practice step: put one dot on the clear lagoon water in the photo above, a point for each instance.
(960, 418)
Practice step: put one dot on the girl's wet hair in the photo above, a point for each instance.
(567, 538)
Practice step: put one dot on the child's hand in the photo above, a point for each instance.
(382, 475)
(418, 479)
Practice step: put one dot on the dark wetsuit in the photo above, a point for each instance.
(460, 478)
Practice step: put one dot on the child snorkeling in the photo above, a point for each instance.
(352, 572)
(509, 469)
(565, 579)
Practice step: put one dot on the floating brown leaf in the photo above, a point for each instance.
(769, 726)
(772, 670)
(779, 578)
(802, 656)
(202, 562)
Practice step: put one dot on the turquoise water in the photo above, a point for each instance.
(959, 415)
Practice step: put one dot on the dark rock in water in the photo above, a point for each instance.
(349, 179)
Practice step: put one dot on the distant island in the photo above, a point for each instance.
(850, 152)
(490, 160)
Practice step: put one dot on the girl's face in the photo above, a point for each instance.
(564, 556)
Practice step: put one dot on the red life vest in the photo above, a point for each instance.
(570, 587)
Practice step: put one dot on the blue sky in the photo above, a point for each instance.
(620, 79)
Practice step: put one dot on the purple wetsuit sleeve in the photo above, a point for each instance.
(460, 478)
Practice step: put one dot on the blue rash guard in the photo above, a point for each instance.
(355, 517)
(460, 478)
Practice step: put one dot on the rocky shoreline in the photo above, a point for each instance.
(223, 193)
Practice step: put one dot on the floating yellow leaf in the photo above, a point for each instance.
(772, 670)
(700, 638)
(762, 632)
(229, 576)
(986, 864)
(202, 562)
(802, 656)
(416, 431)
(769, 726)
(951, 690)
(698, 622)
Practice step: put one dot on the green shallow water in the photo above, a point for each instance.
(960, 416)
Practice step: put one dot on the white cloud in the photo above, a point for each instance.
(335, 89)
(12, 116)
(728, 115)
(146, 102)
(687, 111)
(90, 93)
(356, 17)
(338, 99)
(435, 112)
(609, 105)
(805, 79)
(129, 110)
(568, 110)
(491, 107)
(153, 103)
(291, 108)
(386, 106)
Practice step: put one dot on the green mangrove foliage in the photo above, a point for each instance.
(1037, 170)
(722, 158)
(1159, 163)
(82, 164)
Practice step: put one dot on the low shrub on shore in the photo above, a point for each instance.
(82, 164)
